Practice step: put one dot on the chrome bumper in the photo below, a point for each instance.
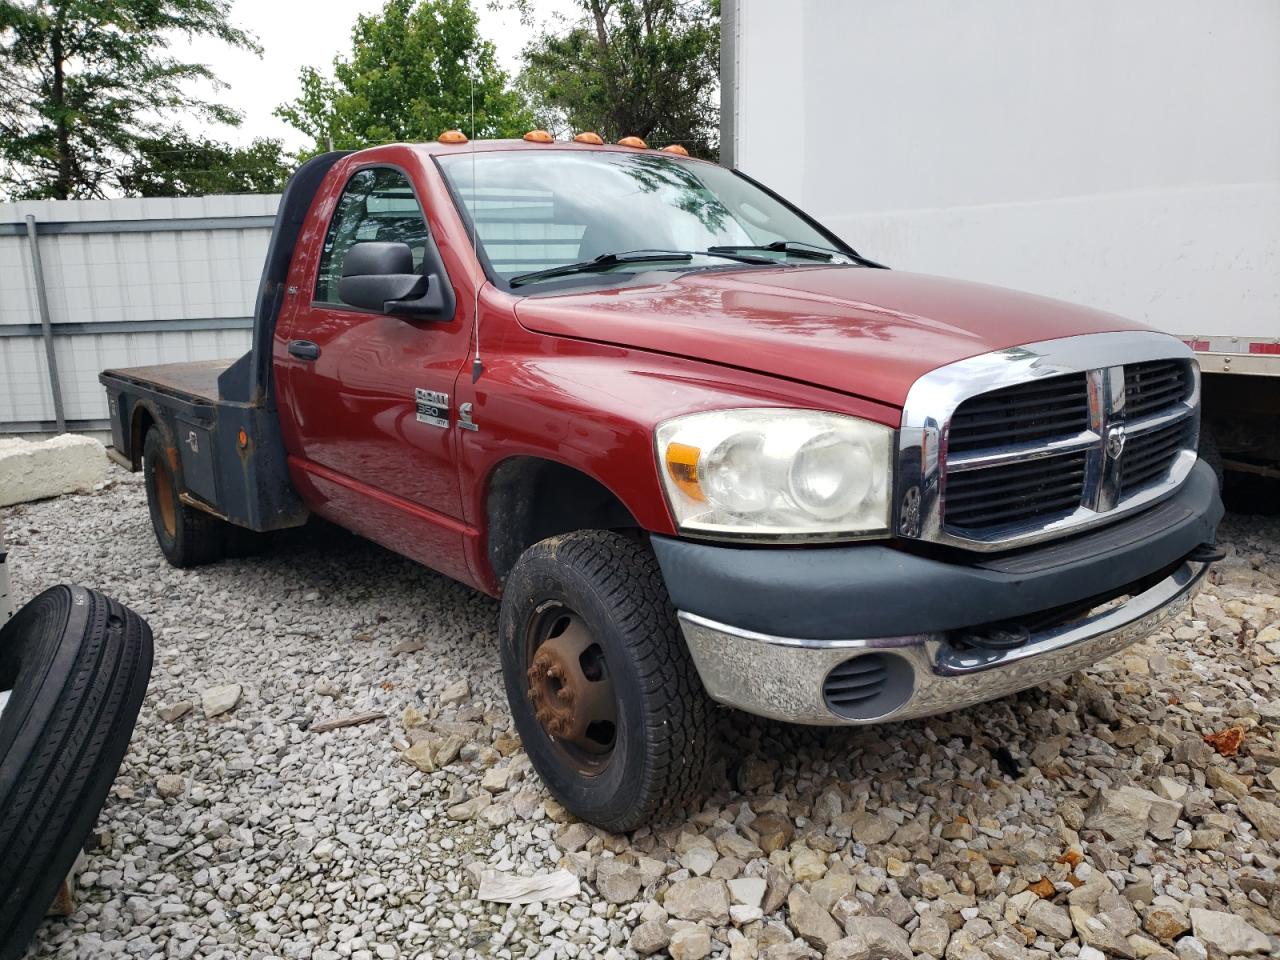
(784, 678)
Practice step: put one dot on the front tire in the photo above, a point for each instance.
(602, 688)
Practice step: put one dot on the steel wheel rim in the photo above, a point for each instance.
(570, 688)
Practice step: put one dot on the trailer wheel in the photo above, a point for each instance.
(601, 685)
(76, 664)
(188, 537)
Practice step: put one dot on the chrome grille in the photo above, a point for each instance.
(1023, 413)
(1148, 456)
(1035, 442)
(1003, 470)
(1152, 386)
(1016, 493)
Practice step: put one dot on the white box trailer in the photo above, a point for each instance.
(1120, 155)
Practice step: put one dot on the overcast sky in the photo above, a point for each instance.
(298, 33)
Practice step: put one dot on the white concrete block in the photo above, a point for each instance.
(50, 468)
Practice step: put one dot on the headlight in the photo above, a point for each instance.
(774, 474)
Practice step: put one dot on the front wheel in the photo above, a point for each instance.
(601, 685)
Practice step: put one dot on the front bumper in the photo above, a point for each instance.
(867, 633)
(789, 679)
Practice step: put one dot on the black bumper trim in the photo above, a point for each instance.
(871, 590)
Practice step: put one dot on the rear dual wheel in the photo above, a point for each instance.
(188, 536)
(602, 688)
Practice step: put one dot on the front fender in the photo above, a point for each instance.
(594, 408)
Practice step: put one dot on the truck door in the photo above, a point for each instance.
(369, 395)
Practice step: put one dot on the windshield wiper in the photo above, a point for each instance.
(802, 249)
(607, 261)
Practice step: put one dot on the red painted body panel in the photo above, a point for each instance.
(583, 378)
(357, 454)
(417, 532)
(871, 333)
(593, 407)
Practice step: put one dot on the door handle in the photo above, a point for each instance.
(304, 350)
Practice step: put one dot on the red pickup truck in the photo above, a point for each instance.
(701, 448)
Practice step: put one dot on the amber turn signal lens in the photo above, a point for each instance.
(633, 142)
(682, 465)
(539, 136)
(675, 148)
(452, 136)
(589, 137)
(243, 438)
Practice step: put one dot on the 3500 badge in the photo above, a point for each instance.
(433, 407)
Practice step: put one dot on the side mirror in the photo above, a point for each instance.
(379, 276)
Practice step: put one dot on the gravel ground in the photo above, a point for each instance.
(1087, 819)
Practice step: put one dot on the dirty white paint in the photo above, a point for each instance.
(95, 282)
(49, 468)
(1123, 155)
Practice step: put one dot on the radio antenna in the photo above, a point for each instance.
(477, 365)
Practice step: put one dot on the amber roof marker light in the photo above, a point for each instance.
(539, 136)
(452, 136)
(633, 142)
(676, 149)
(589, 136)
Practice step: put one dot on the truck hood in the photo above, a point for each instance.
(866, 332)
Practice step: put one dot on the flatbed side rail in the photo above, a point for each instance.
(230, 455)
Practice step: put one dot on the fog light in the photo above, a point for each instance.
(867, 687)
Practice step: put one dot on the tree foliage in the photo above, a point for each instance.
(183, 166)
(649, 68)
(408, 78)
(88, 83)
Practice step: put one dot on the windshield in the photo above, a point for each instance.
(536, 211)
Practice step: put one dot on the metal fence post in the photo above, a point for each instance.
(46, 325)
(6, 601)
(728, 83)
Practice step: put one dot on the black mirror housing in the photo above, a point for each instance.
(379, 276)
(377, 258)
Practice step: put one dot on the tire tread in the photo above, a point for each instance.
(51, 796)
(676, 710)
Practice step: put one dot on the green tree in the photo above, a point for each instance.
(183, 166)
(648, 68)
(408, 78)
(87, 81)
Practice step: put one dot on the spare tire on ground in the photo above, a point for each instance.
(76, 664)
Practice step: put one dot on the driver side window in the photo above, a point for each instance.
(377, 203)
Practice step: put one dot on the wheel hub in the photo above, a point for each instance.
(569, 685)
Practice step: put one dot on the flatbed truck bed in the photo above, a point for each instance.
(195, 381)
(227, 451)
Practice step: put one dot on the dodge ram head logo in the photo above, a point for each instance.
(1115, 441)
